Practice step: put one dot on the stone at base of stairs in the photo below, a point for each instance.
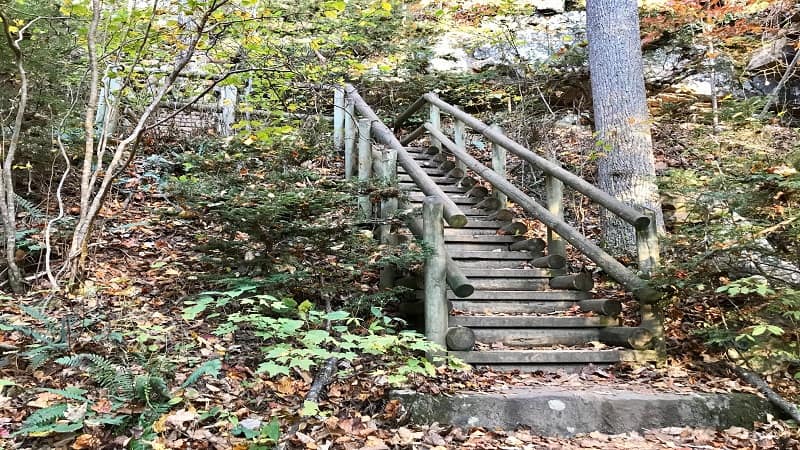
(560, 412)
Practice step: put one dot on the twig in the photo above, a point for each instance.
(762, 386)
(774, 94)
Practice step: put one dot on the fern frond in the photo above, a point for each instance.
(210, 367)
(72, 393)
(26, 205)
(46, 415)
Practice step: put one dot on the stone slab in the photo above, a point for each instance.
(553, 411)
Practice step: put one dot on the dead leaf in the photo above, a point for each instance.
(85, 441)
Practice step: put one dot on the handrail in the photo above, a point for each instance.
(625, 212)
(452, 214)
(408, 113)
(458, 282)
(614, 268)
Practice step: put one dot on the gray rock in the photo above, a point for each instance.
(554, 411)
(777, 52)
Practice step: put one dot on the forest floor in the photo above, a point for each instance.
(143, 266)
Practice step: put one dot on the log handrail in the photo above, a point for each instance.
(382, 134)
(614, 268)
(625, 212)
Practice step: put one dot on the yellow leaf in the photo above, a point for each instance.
(160, 425)
(331, 14)
(13, 29)
(386, 6)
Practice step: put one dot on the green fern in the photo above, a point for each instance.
(210, 367)
(72, 393)
(46, 415)
(34, 212)
(107, 374)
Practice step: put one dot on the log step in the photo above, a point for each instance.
(411, 187)
(486, 238)
(544, 296)
(468, 254)
(477, 246)
(493, 264)
(457, 199)
(537, 337)
(532, 284)
(539, 356)
(511, 307)
(610, 308)
(440, 180)
(509, 273)
(493, 224)
(532, 322)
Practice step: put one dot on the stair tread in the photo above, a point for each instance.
(512, 307)
(510, 273)
(526, 321)
(500, 238)
(478, 254)
(514, 295)
(566, 356)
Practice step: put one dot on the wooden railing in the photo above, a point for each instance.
(380, 166)
(439, 267)
(552, 213)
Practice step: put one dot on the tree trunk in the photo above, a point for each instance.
(626, 168)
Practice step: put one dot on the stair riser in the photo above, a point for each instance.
(410, 187)
(518, 307)
(545, 368)
(530, 322)
(490, 264)
(505, 296)
(471, 232)
(476, 246)
(437, 180)
(533, 284)
(537, 337)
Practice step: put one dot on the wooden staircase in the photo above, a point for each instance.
(492, 295)
(518, 321)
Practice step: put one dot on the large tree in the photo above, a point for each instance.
(626, 168)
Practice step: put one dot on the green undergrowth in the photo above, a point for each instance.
(732, 252)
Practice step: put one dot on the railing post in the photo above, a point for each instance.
(436, 311)
(349, 137)
(435, 118)
(338, 118)
(364, 166)
(648, 255)
(459, 137)
(499, 166)
(386, 173)
(554, 189)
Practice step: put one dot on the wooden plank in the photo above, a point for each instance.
(491, 264)
(539, 356)
(496, 224)
(522, 256)
(478, 238)
(508, 273)
(411, 187)
(510, 307)
(403, 178)
(470, 231)
(490, 321)
(537, 337)
(546, 368)
(491, 295)
(510, 283)
(477, 246)
(457, 199)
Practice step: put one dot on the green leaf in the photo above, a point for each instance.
(336, 315)
(758, 330)
(315, 337)
(272, 430)
(272, 369)
(211, 367)
(309, 409)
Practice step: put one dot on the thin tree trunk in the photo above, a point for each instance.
(774, 94)
(7, 203)
(626, 168)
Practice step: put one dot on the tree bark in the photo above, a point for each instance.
(626, 168)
